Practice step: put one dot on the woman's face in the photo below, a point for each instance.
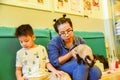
(66, 32)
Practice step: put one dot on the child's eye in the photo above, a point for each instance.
(20, 41)
(26, 40)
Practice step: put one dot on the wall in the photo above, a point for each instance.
(13, 16)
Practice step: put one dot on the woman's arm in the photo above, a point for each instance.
(63, 59)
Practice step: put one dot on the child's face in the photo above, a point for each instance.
(27, 41)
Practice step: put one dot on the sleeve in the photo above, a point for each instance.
(18, 60)
(82, 41)
(45, 55)
(53, 53)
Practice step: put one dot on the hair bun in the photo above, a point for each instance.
(54, 20)
(64, 15)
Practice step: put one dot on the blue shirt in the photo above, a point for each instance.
(56, 48)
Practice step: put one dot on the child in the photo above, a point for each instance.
(32, 59)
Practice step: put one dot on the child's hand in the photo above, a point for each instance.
(22, 78)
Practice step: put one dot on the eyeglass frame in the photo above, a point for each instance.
(65, 32)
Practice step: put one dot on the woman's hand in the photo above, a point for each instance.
(73, 52)
(58, 73)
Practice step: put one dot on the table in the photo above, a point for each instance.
(111, 75)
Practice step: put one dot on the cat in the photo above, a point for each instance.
(84, 53)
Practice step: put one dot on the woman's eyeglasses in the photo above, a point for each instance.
(64, 33)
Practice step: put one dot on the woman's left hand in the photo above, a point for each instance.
(58, 73)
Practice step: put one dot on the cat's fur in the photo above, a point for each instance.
(84, 52)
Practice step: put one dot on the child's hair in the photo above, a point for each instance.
(61, 21)
(24, 30)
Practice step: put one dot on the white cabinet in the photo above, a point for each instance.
(116, 19)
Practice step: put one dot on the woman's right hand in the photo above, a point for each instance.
(73, 52)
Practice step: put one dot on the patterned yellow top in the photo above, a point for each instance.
(32, 61)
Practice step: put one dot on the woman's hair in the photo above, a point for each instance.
(24, 30)
(60, 21)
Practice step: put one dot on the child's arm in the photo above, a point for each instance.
(56, 72)
(19, 74)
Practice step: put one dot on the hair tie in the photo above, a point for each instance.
(54, 20)
(64, 15)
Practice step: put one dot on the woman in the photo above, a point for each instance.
(60, 52)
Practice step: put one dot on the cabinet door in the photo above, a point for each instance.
(116, 18)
